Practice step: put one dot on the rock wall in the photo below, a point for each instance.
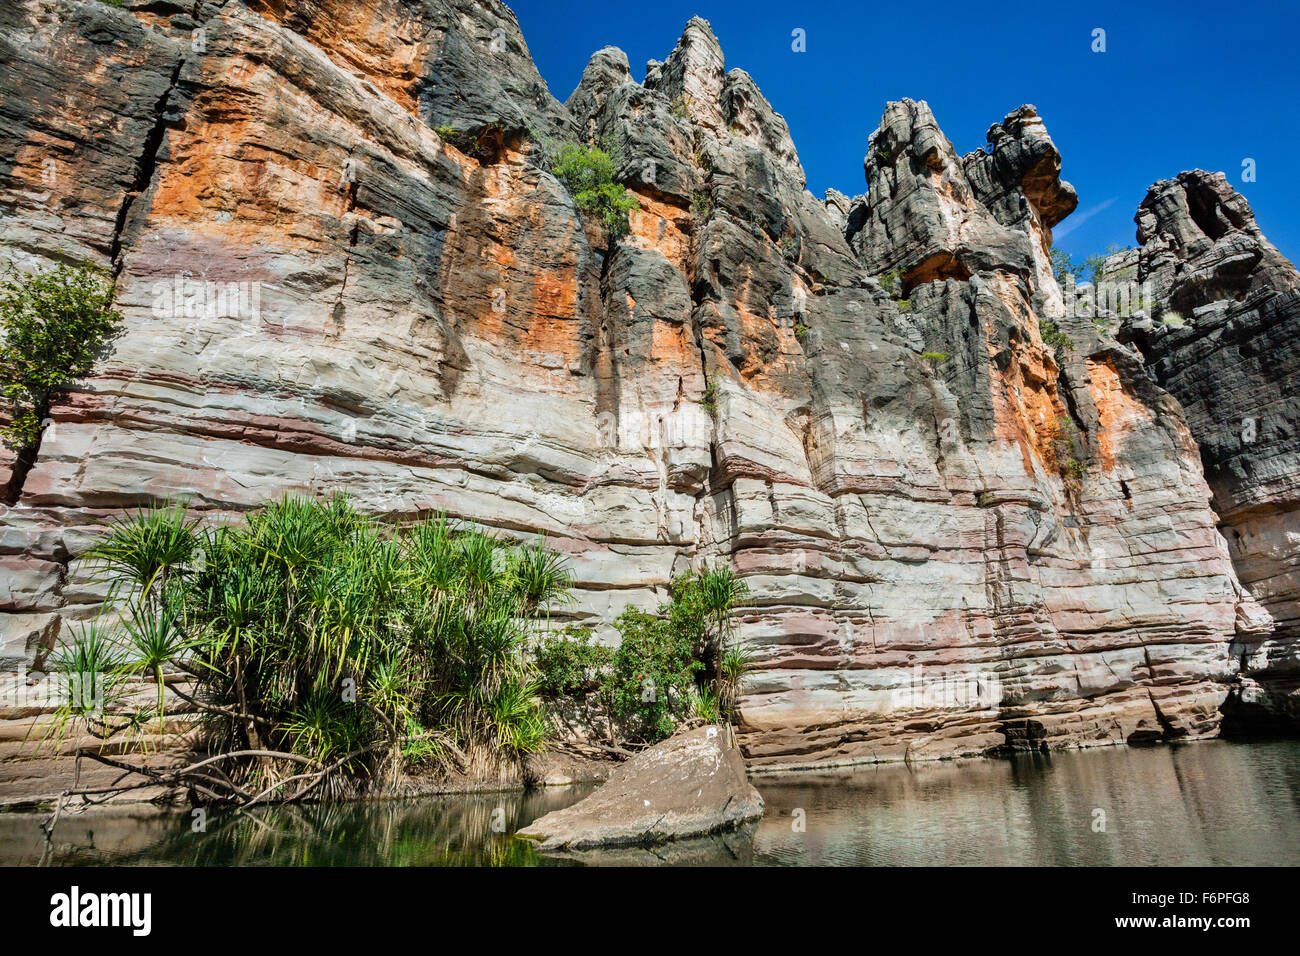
(344, 265)
(1220, 333)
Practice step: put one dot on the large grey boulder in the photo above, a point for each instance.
(689, 785)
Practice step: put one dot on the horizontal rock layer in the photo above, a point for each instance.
(344, 266)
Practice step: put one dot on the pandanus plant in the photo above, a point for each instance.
(313, 631)
(145, 556)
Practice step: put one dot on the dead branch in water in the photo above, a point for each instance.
(206, 779)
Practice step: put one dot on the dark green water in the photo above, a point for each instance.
(1202, 804)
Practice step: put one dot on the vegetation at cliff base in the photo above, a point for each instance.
(318, 639)
(55, 324)
(677, 664)
(327, 652)
(588, 173)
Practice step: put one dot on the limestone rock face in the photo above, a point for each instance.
(1221, 335)
(345, 266)
(689, 785)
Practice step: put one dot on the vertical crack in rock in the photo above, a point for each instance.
(146, 165)
(348, 186)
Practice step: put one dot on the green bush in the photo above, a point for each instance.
(709, 400)
(701, 203)
(55, 325)
(1066, 444)
(889, 281)
(588, 173)
(570, 664)
(650, 677)
(320, 633)
(668, 667)
(1054, 338)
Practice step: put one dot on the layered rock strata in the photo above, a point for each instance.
(1219, 332)
(344, 266)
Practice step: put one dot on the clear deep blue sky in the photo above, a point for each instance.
(1181, 85)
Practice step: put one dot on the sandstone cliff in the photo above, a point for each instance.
(1220, 334)
(344, 265)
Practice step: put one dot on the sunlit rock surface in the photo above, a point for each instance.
(344, 266)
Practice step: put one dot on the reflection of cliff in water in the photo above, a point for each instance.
(1213, 803)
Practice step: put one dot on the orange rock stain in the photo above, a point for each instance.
(1118, 412)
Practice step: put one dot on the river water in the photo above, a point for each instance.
(1213, 803)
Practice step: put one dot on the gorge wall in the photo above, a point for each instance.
(344, 266)
(1220, 334)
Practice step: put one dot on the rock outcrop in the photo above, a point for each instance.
(344, 265)
(690, 785)
(1220, 333)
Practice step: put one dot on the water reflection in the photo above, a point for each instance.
(472, 830)
(1202, 804)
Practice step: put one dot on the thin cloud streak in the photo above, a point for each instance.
(1078, 219)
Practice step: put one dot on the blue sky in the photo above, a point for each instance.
(1180, 86)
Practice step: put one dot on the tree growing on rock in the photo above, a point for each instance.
(55, 325)
(588, 173)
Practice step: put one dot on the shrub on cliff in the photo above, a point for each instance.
(669, 666)
(321, 640)
(651, 676)
(588, 173)
(55, 325)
